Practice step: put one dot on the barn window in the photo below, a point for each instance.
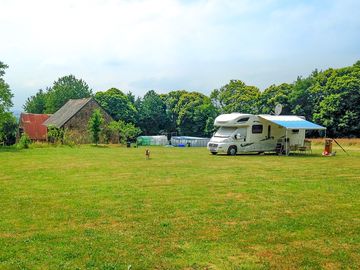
(257, 129)
(295, 131)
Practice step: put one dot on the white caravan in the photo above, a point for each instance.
(259, 133)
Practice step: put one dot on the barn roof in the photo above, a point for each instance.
(32, 125)
(66, 112)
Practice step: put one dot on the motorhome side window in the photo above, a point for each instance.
(257, 129)
(243, 119)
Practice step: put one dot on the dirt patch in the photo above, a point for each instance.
(237, 196)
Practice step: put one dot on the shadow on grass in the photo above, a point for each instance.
(9, 149)
(99, 146)
(291, 155)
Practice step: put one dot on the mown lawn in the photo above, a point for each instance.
(108, 208)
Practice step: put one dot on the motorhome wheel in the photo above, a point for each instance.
(232, 150)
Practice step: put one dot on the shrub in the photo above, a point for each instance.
(24, 142)
(72, 138)
(8, 127)
(55, 135)
(110, 132)
(94, 126)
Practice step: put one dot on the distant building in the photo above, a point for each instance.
(32, 125)
(74, 117)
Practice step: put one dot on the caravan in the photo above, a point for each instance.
(259, 133)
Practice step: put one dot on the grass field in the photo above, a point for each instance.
(108, 208)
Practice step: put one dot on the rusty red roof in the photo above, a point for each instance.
(32, 125)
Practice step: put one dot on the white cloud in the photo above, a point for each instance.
(170, 44)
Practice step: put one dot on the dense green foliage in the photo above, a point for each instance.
(152, 117)
(338, 106)
(24, 142)
(117, 104)
(5, 92)
(189, 113)
(65, 88)
(36, 103)
(274, 95)
(8, 128)
(108, 208)
(55, 135)
(120, 132)
(128, 132)
(330, 98)
(194, 110)
(8, 123)
(95, 126)
(236, 96)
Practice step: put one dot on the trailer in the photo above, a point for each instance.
(241, 133)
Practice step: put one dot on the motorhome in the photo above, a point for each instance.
(240, 132)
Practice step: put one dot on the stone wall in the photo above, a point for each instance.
(77, 127)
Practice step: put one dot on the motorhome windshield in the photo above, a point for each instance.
(225, 132)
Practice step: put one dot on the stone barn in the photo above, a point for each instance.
(74, 118)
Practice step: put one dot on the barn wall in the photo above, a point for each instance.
(77, 126)
(31, 124)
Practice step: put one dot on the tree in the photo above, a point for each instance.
(5, 92)
(131, 97)
(124, 132)
(339, 108)
(8, 127)
(171, 100)
(117, 104)
(152, 117)
(8, 123)
(94, 124)
(236, 96)
(196, 114)
(36, 103)
(65, 88)
(128, 131)
(275, 95)
(301, 98)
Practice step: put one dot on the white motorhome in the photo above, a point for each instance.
(240, 132)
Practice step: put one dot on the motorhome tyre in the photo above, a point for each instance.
(232, 150)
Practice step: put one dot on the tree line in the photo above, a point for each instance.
(330, 98)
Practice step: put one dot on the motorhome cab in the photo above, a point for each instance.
(259, 133)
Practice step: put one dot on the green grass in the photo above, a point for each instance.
(108, 208)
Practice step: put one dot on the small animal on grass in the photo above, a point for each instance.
(147, 154)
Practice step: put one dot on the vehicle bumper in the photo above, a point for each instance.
(217, 148)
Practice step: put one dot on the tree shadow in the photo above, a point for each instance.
(9, 149)
(99, 145)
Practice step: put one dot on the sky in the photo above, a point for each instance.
(164, 45)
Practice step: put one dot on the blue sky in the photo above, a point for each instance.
(168, 45)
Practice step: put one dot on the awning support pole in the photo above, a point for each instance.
(286, 150)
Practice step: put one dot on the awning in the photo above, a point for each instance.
(292, 122)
